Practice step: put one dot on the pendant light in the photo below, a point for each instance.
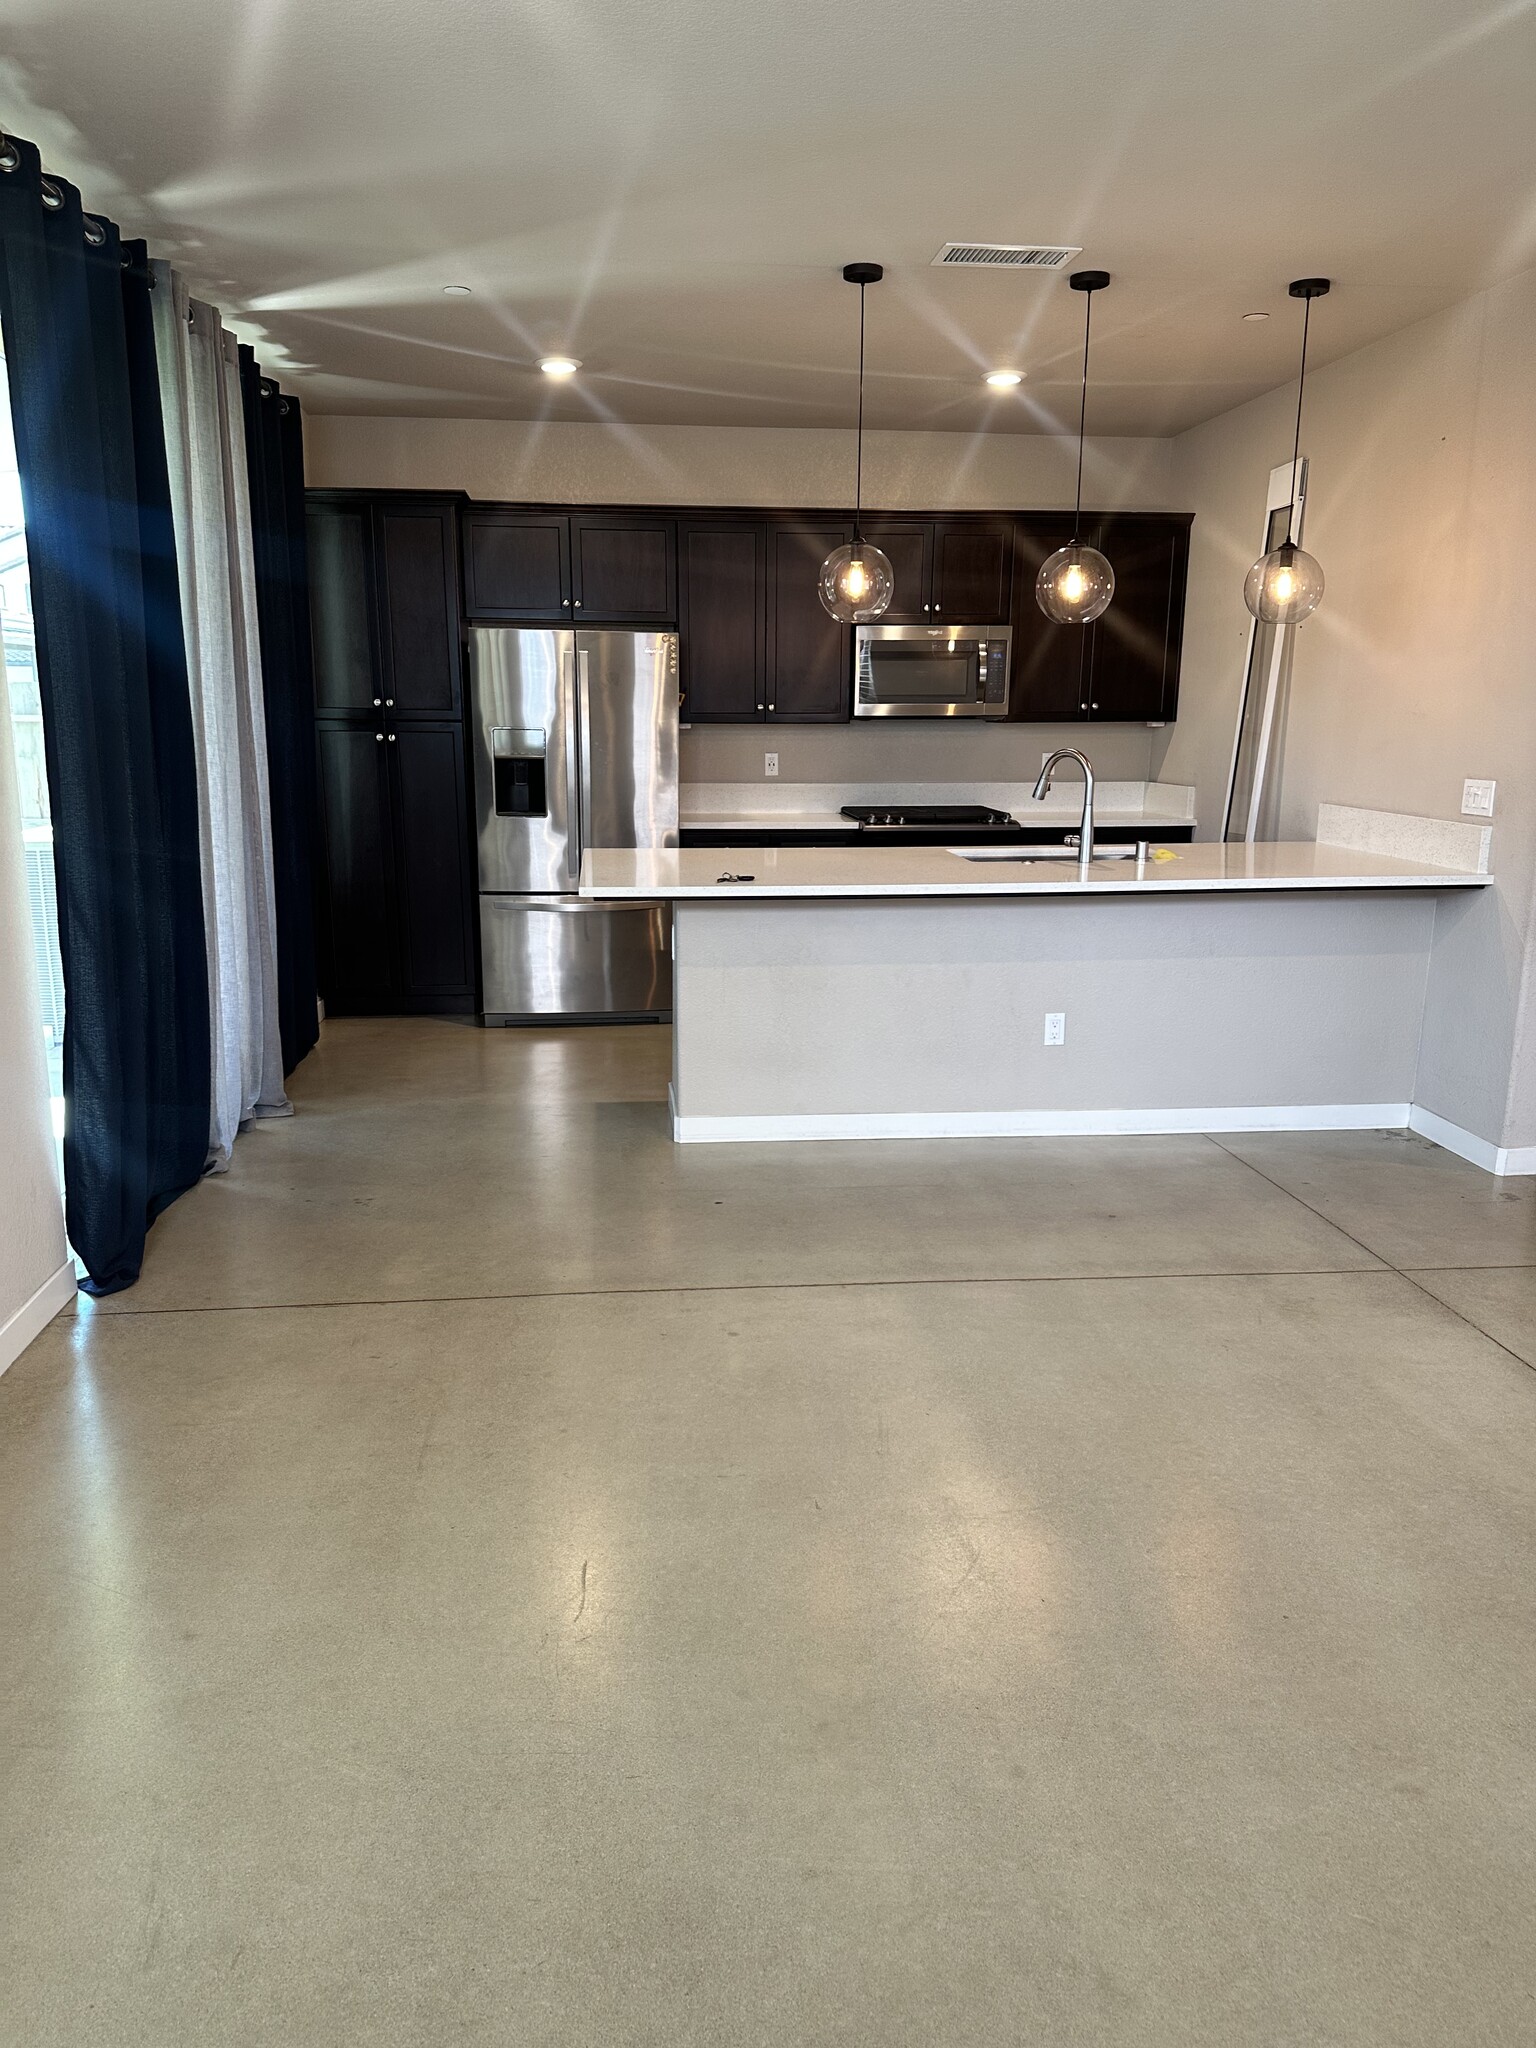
(1286, 585)
(857, 581)
(1076, 583)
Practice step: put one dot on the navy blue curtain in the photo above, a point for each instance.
(274, 449)
(116, 715)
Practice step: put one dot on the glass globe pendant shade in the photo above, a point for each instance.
(1074, 585)
(1284, 587)
(857, 583)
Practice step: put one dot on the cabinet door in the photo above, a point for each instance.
(625, 570)
(909, 547)
(434, 892)
(721, 605)
(358, 965)
(1133, 651)
(517, 567)
(417, 557)
(810, 656)
(1048, 671)
(972, 572)
(341, 607)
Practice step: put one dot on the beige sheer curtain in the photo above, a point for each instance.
(210, 503)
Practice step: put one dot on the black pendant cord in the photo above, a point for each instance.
(1301, 385)
(858, 459)
(1082, 417)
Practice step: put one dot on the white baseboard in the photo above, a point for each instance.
(1500, 1159)
(1033, 1123)
(35, 1314)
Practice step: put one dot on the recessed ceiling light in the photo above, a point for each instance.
(1004, 380)
(1255, 316)
(559, 366)
(461, 291)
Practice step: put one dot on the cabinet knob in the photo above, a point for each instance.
(566, 602)
(378, 735)
(392, 739)
(578, 604)
(376, 703)
(1093, 707)
(389, 700)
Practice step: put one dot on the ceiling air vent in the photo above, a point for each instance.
(1004, 256)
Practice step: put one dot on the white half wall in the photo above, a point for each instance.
(36, 1276)
(1417, 670)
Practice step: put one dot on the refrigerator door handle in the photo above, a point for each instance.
(572, 791)
(584, 694)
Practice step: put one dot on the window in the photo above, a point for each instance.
(27, 737)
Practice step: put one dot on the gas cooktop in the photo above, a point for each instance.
(938, 818)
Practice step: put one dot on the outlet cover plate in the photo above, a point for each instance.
(1055, 1027)
(770, 764)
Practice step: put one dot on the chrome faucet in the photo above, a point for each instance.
(1085, 835)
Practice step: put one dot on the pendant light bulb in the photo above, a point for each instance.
(857, 583)
(857, 580)
(1286, 585)
(1075, 584)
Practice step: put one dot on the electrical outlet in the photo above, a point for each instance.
(1055, 1027)
(1477, 799)
(770, 764)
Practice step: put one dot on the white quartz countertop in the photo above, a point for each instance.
(872, 871)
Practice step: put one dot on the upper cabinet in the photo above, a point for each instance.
(516, 567)
(1132, 661)
(722, 616)
(756, 641)
(1125, 666)
(384, 598)
(588, 568)
(810, 656)
(958, 570)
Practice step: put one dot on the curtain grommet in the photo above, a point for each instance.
(10, 155)
(53, 197)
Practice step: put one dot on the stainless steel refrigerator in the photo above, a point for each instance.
(575, 745)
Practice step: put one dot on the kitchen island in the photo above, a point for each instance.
(884, 992)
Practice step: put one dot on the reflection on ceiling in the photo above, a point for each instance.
(667, 193)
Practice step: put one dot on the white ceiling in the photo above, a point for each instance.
(669, 188)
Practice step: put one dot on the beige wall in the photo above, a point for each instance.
(785, 466)
(922, 751)
(32, 1247)
(1420, 667)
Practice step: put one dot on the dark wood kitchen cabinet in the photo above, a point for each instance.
(557, 568)
(396, 932)
(1125, 666)
(517, 568)
(396, 881)
(384, 598)
(957, 570)
(810, 655)
(1047, 659)
(756, 641)
(1132, 659)
(722, 619)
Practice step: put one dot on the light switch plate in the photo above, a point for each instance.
(770, 764)
(1477, 799)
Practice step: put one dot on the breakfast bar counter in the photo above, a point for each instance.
(894, 992)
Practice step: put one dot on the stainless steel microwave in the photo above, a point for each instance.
(931, 671)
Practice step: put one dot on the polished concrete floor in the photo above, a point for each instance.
(501, 1578)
